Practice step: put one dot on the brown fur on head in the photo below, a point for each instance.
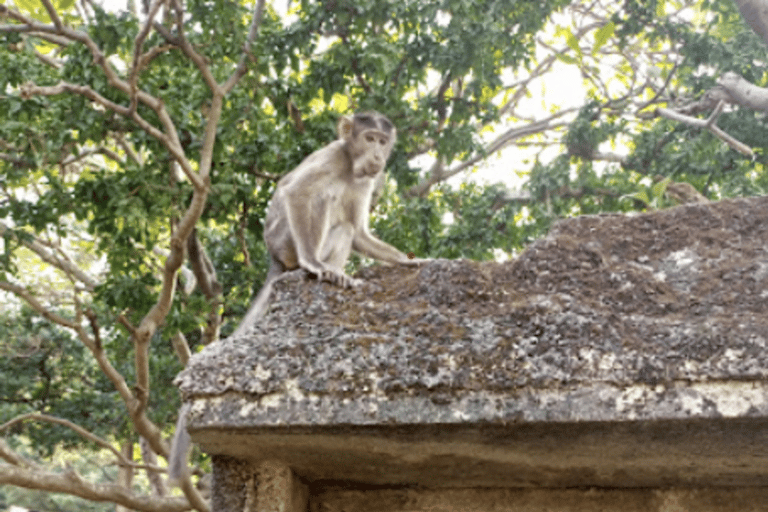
(368, 140)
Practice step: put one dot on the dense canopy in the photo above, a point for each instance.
(140, 144)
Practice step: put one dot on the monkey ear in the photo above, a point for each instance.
(344, 128)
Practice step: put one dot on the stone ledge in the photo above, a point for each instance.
(654, 454)
(593, 402)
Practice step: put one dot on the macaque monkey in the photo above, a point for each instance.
(319, 212)
(318, 215)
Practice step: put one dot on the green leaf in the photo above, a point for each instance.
(567, 59)
(602, 35)
(640, 195)
(65, 5)
(659, 188)
(572, 42)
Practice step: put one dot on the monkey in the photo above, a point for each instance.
(319, 211)
(318, 215)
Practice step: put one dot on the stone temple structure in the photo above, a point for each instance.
(619, 364)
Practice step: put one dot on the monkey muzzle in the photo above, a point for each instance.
(368, 166)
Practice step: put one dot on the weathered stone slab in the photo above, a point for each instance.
(619, 351)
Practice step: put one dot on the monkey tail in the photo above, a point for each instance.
(259, 305)
(180, 446)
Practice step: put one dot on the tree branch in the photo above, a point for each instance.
(25, 295)
(70, 482)
(89, 436)
(47, 256)
(190, 52)
(138, 43)
(168, 137)
(14, 458)
(744, 93)
(143, 425)
(497, 144)
(170, 140)
(237, 74)
(53, 14)
(707, 124)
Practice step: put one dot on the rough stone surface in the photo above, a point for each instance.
(611, 335)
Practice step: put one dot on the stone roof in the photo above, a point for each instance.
(656, 317)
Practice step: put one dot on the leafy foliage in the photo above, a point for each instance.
(100, 191)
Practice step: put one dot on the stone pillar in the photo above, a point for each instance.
(278, 489)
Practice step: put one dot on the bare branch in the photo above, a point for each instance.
(82, 433)
(70, 482)
(150, 459)
(497, 144)
(71, 159)
(190, 52)
(181, 347)
(663, 88)
(263, 175)
(53, 14)
(125, 146)
(51, 38)
(258, 13)
(205, 274)
(171, 141)
(143, 425)
(133, 76)
(710, 122)
(708, 125)
(64, 265)
(48, 61)
(11, 457)
(152, 53)
(743, 92)
(24, 294)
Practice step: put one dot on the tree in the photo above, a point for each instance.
(129, 141)
(651, 68)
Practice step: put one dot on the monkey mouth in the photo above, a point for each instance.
(367, 168)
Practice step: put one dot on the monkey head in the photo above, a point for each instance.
(368, 140)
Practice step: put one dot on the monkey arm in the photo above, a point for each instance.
(367, 244)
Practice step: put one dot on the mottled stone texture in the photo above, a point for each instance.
(619, 351)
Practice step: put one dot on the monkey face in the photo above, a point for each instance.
(369, 151)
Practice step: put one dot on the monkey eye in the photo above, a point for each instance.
(370, 138)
